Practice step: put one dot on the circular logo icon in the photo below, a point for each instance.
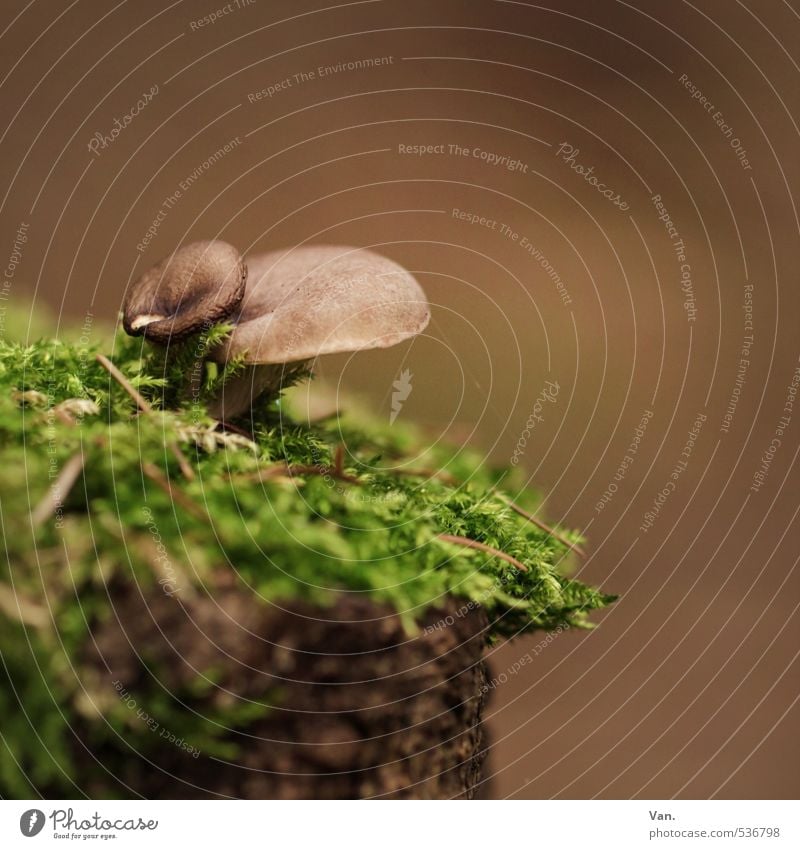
(31, 822)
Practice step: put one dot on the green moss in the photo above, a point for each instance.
(301, 536)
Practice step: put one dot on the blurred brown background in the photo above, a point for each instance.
(689, 687)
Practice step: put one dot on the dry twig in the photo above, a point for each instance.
(144, 405)
(274, 473)
(481, 546)
(540, 524)
(59, 490)
(338, 460)
(14, 606)
(177, 495)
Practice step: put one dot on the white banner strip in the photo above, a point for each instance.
(192, 824)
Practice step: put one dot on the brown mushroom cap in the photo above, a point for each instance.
(197, 286)
(304, 302)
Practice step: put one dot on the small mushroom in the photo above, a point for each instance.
(305, 302)
(196, 287)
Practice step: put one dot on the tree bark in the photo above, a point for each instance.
(360, 708)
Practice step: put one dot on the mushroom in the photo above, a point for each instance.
(199, 285)
(309, 301)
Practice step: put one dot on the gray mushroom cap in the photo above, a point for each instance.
(199, 285)
(305, 302)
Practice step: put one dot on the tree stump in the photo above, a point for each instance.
(360, 708)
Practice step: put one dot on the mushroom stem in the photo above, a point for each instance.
(240, 392)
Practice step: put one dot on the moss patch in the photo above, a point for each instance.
(98, 494)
